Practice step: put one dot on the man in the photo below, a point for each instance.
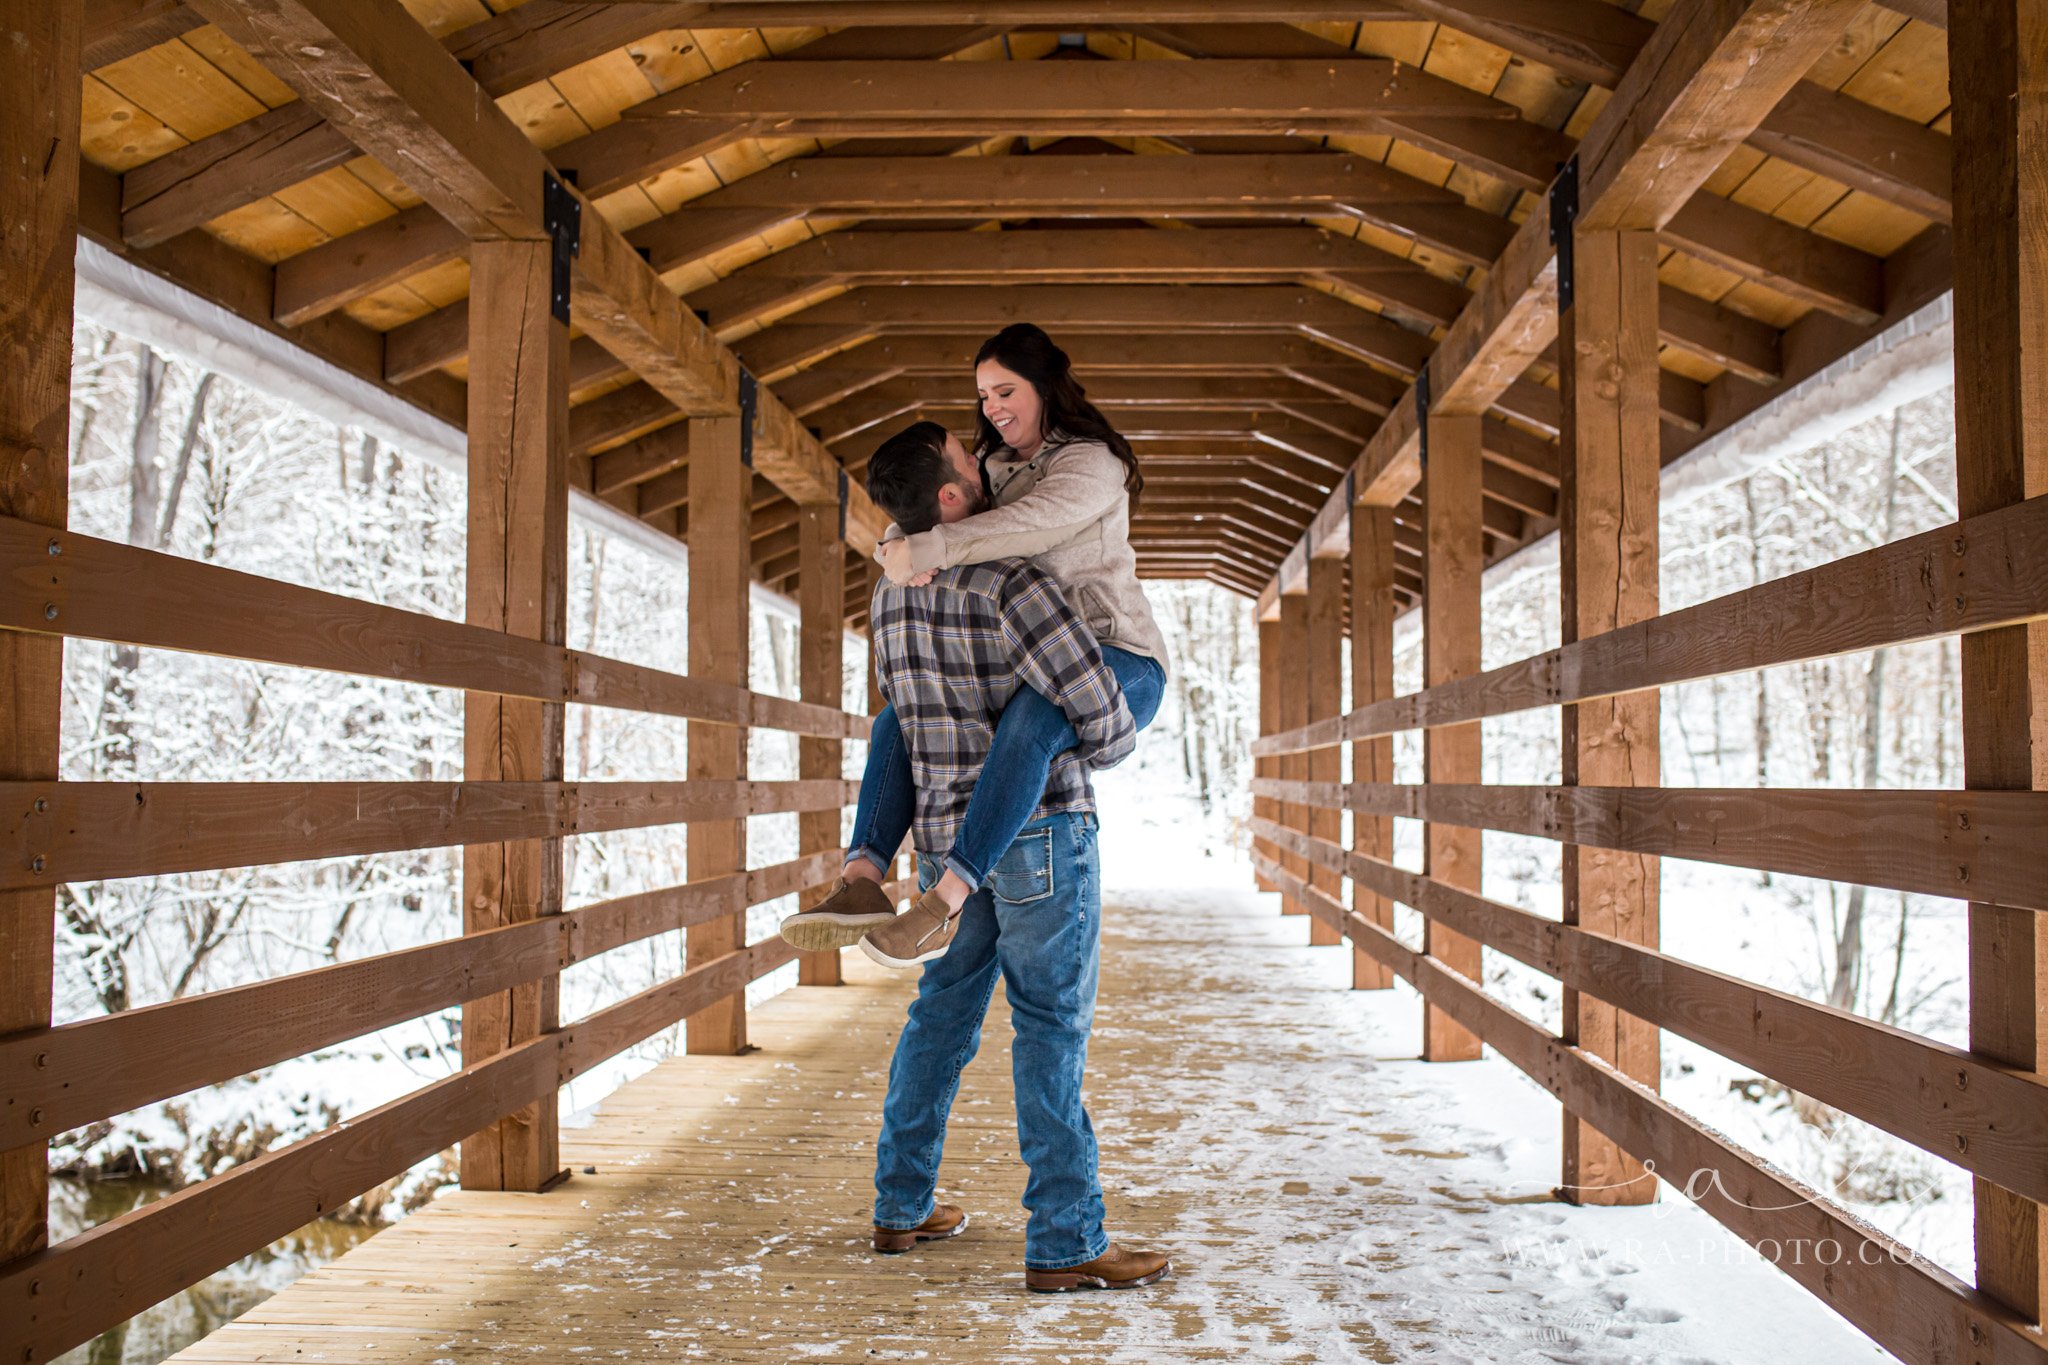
(951, 655)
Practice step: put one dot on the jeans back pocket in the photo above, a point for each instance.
(1025, 872)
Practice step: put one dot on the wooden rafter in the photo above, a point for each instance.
(1697, 90)
(399, 95)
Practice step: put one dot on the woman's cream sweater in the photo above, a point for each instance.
(1075, 524)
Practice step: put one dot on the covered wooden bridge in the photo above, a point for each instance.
(1382, 291)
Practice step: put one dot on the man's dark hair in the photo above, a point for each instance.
(906, 473)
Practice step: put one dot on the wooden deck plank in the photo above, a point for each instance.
(728, 1215)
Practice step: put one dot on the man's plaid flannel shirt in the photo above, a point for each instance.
(951, 656)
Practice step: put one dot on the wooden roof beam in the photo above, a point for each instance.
(513, 46)
(814, 267)
(373, 71)
(1707, 76)
(1096, 254)
(1123, 307)
(985, 99)
(294, 142)
(441, 338)
(1289, 356)
(1686, 322)
(1811, 127)
(1863, 146)
(1219, 393)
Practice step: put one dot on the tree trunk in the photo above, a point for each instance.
(117, 697)
(183, 465)
(1762, 733)
(1849, 939)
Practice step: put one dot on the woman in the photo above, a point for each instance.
(1063, 484)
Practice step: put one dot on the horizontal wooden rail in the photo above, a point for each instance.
(85, 831)
(75, 1290)
(1989, 1119)
(1909, 1306)
(60, 582)
(1981, 846)
(1977, 574)
(56, 1079)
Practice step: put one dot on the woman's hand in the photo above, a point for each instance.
(894, 557)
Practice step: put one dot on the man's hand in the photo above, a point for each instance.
(894, 557)
(921, 580)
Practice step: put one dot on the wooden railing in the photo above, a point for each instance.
(1987, 847)
(58, 1078)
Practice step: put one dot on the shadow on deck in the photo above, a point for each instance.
(1324, 1201)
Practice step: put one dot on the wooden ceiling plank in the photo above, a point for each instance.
(389, 89)
(275, 150)
(399, 94)
(1706, 78)
(1811, 127)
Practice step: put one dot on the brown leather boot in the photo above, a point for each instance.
(1115, 1268)
(947, 1220)
(919, 934)
(854, 907)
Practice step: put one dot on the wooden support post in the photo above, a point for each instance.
(518, 559)
(1292, 702)
(1269, 724)
(39, 113)
(2001, 308)
(1607, 346)
(1452, 565)
(721, 521)
(1323, 683)
(821, 594)
(1372, 679)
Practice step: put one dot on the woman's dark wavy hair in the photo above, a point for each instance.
(1024, 348)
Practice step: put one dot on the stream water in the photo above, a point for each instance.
(161, 1332)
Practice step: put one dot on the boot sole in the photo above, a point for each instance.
(816, 933)
(896, 963)
(892, 1243)
(1067, 1281)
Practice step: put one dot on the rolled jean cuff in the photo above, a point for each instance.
(965, 871)
(1101, 1245)
(874, 857)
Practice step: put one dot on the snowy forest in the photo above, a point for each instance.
(169, 456)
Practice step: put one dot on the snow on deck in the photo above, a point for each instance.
(1325, 1198)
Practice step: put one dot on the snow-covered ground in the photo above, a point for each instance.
(1664, 1282)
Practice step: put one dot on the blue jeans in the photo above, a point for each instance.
(1038, 922)
(1030, 735)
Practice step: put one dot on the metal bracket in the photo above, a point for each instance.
(562, 214)
(1351, 489)
(1422, 414)
(1564, 212)
(842, 504)
(750, 398)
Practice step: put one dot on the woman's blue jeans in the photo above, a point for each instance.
(1030, 735)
